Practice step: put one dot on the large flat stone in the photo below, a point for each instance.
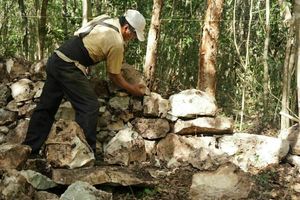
(113, 175)
(253, 152)
(151, 128)
(82, 190)
(191, 103)
(208, 125)
(66, 146)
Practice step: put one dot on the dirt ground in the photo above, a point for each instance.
(275, 182)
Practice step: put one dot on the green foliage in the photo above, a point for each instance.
(265, 179)
(177, 62)
(147, 192)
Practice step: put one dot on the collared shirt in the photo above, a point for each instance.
(105, 43)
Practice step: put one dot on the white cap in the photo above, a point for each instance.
(137, 21)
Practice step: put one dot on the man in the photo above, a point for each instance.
(101, 39)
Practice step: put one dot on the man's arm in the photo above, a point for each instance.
(134, 89)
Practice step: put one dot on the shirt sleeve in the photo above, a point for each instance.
(114, 60)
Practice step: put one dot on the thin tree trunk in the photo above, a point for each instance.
(208, 47)
(25, 28)
(42, 28)
(287, 69)
(297, 27)
(245, 65)
(286, 10)
(65, 18)
(152, 44)
(265, 58)
(86, 11)
(285, 94)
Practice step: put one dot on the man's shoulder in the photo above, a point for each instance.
(100, 17)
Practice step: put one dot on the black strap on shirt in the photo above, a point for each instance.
(93, 24)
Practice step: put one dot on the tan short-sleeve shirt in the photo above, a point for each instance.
(105, 43)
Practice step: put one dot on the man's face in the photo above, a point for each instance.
(129, 33)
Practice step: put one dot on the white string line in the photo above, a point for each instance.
(164, 19)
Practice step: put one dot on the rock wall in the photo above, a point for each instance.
(183, 129)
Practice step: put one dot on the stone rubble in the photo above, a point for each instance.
(184, 129)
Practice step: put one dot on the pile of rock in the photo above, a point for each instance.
(184, 129)
(292, 135)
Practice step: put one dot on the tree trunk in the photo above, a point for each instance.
(65, 18)
(25, 28)
(208, 47)
(42, 29)
(287, 69)
(152, 44)
(265, 58)
(285, 88)
(297, 27)
(86, 11)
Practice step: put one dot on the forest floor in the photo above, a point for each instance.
(275, 182)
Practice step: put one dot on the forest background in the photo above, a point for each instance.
(255, 82)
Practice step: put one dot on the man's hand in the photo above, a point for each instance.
(134, 89)
(138, 89)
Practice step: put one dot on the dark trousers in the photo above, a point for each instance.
(63, 79)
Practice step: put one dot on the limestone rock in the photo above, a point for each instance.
(131, 75)
(2, 138)
(4, 130)
(171, 149)
(17, 68)
(136, 105)
(13, 156)
(155, 105)
(181, 150)
(18, 134)
(38, 70)
(65, 111)
(100, 87)
(42, 195)
(294, 160)
(4, 94)
(119, 103)
(150, 148)
(191, 103)
(82, 190)
(14, 186)
(13, 105)
(208, 158)
(110, 175)
(3, 72)
(104, 119)
(38, 88)
(126, 116)
(116, 126)
(22, 90)
(37, 180)
(7, 117)
(208, 125)
(225, 183)
(253, 152)
(66, 146)
(26, 109)
(151, 128)
(292, 135)
(127, 146)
